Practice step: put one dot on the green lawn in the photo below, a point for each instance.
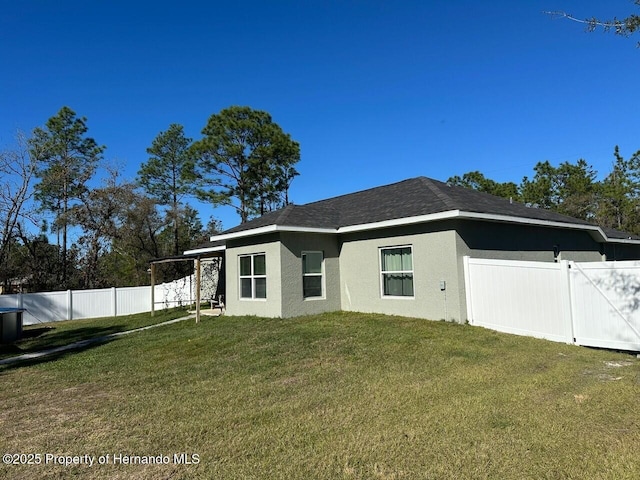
(55, 334)
(340, 395)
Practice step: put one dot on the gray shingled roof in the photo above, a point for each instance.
(409, 198)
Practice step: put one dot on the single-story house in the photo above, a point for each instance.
(395, 249)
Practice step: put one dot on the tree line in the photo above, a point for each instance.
(106, 235)
(573, 189)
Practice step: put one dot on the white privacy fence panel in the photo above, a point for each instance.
(92, 303)
(130, 300)
(44, 307)
(77, 304)
(39, 307)
(8, 301)
(525, 298)
(606, 304)
(590, 304)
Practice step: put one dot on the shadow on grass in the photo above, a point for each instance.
(39, 339)
(52, 357)
(35, 332)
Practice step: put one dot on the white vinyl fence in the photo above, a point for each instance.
(107, 302)
(591, 304)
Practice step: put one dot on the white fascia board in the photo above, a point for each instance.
(453, 214)
(270, 229)
(628, 241)
(595, 230)
(195, 251)
(306, 229)
(398, 222)
(244, 233)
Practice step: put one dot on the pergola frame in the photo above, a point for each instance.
(197, 259)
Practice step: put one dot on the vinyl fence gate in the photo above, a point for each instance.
(594, 304)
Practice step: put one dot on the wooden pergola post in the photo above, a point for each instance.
(198, 263)
(153, 289)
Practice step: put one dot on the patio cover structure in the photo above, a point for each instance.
(207, 250)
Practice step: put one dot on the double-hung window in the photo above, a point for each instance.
(396, 271)
(253, 276)
(312, 273)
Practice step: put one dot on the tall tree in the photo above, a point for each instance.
(620, 194)
(136, 240)
(577, 190)
(190, 233)
(245, 160)
(17, 169)
(539, 191)
(100, 215)
(569, 188)
(37, 261)
(213, 227)
(67, 159)
(168, 175)
(477, 181)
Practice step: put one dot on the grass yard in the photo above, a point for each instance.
(335, 396)
(50, 335)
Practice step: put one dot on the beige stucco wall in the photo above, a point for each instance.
(434, 260)
(293, 244)
(272, 305)
(283, 257)
(352, 266)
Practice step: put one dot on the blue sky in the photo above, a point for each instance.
(374, 91)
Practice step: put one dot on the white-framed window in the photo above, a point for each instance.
(253, 276)
(312, 274)
(396, 271)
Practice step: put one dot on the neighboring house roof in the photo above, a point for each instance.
(416, 200)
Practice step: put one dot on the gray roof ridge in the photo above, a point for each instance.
(286, 211)
(437, 191)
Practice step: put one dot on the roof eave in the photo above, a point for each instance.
(597, 232)
(200, 251)
(270, 229)
(399, 222)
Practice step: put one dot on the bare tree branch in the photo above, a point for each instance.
(17, 169)
(624, 27)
